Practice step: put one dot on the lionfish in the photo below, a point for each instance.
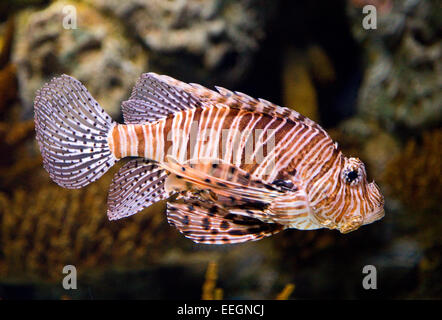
(232, 167)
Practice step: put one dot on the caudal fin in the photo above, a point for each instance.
(72, 132)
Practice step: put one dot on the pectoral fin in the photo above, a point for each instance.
(293, 210)
(238, 192)
(225, 180)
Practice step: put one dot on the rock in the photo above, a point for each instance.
(97, 53)
(402, 83)
(211, 42)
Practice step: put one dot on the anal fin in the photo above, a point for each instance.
(137, 185)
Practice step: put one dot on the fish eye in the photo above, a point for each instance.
(353, 172)
(352, 176)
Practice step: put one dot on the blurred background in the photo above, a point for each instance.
(377, 92)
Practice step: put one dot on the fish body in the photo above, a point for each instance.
(241, 168)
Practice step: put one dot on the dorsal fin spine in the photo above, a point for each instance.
(157, 96)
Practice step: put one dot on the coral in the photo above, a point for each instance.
(414, 176)
(210, 292)
(8, 36)
(51, 227)
(402, 83)
(19, 167)
(211, 42)
(13, 133)
(8, 78)
(286, 292)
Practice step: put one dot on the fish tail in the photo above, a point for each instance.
(72, 132)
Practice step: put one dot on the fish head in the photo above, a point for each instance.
(361, 202)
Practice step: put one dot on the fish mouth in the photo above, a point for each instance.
(378, 212)
(351, 225)
(357, 221)
(375, 215)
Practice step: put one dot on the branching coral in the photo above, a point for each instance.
(414, 176)
(286, 292)
(210, 292)
(15, 162)
(52, 227)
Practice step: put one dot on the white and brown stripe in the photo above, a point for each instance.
(236, 128)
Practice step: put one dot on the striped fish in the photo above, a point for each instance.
(234, 168)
